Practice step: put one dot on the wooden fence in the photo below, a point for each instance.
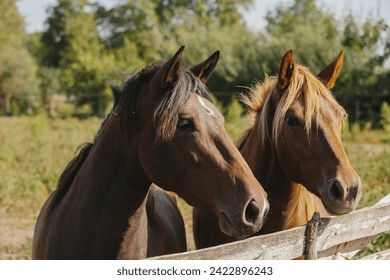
(327, 238)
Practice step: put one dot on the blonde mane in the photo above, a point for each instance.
(303, 85)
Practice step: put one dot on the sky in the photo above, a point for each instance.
(34, 11)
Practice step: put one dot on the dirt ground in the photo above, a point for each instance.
(16, 237)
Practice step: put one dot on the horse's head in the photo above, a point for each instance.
(183, 147)
(306, 131)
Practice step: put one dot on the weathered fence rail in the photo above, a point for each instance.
(337, 238)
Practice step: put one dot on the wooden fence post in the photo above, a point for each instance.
(310, 250)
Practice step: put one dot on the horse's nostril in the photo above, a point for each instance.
(353, 193)
(337, 190)
(252, 212)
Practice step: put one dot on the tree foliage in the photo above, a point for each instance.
(83, 39)
(316, 37)
(306, 29)
(72, 44)
(18, 82)
(385, 116)
(364, 74)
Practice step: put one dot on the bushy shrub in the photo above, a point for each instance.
(385, 116)
(234, 111)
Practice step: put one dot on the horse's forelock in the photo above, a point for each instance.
(116, 93)
(172, 100)
(304, 84)
(168, 108)
(128, 96)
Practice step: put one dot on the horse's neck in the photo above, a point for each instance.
(157, 224)
(263, 162)
(109, 189)
(112, 173)
(290, 204)
(135, 238)
(300, 208)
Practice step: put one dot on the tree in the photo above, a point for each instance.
(385, 116)
(306, 29)
(73, 45)
(143, 32)
(130, 31)
(317, 37)
(238, 64)
(54, 38)
(367, 48)
(50, 87)
(207, 26)
(204, 12)
(18, 82)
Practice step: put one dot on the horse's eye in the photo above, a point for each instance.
(293, 121)
(186, 125)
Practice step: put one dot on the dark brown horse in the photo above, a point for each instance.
(294, 148)
(164, 130)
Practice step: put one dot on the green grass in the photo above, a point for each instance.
(34, 151)
(374, 170)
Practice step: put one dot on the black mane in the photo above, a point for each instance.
(68, 175)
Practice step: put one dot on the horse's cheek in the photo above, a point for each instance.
(154, 164)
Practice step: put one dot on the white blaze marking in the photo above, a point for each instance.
(201, 101)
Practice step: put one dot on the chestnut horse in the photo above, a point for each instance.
(164, 130)
(295, 150)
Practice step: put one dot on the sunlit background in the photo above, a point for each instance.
(58, 58)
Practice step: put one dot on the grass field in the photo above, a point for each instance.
(35, 150)
(33, 153)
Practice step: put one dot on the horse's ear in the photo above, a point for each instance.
(206, 68)
(286, 70)
(116, 92)
(169, 72)
(330, 73)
